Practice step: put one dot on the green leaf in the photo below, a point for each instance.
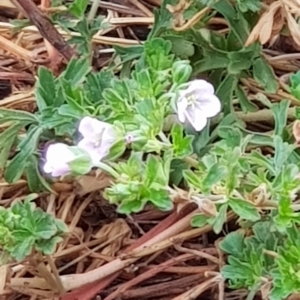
(45, 92)
(27, 227)
(117, 150)
(264, 75)
(160, 198)
(283, 151)
(238, 25)
(210, 62)
(145, 84)
(177, 168)
(61, 226)
(155, 173)
(214, 175)
(75, 99)
(285, 213)
(22, 234)
(244, 209)
(22, 249)
(220, 219)
(48, 247)
(45, 227)
(7, 138)
(16, 167)
(36, 182)
(233, 244)
(162, 19)
(232, 136)
(238, 271)
(129, 54)
(19, 24)
(31, 176)
(199, 220)
(157, 54)
(5, 151)
(295, 79)
(192, 179)
(246, 105)
(245, 5)
(131, 207)
(280, 111)
(71, 110)
(239, 61)
(96, 83)
(296, 92)
(10, 115)
(115, 100)
(81, 165)
(78, 8)
(212, 58)
(123, 87)
(279, 293)
(10, 132)
(182, 145)
(180, 46)
(76, 71)
(225, 92)
(259, 159)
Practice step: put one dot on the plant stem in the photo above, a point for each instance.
(270, 253)
(191, 161)
(107, 169)
(93, 10)
(56, 274)
(253, 291)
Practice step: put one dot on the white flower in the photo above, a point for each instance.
(98, 137)
(198, 103)
(58, 157)
(62, 159)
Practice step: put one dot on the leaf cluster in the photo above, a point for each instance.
(266, 256)
(141, 182)
(25, 228)
(138, 104)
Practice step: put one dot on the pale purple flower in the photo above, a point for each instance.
(57, 158)
(98, 138)
(197, 103)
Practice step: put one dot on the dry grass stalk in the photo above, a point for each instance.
(196, 291)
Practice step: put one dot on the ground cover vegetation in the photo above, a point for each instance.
(150, 149)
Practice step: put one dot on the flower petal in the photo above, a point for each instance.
(182, 105)
(200, 86)
(57, 158)
(62, 170)
(108, 136)
(86, 145)
(196, 118)
(91, 128)
(47, 168)
(59, 153)
(210, 105)
(96, 152)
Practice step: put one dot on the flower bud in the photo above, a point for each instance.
(181, 71)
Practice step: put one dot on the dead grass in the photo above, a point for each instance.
(151, 255)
